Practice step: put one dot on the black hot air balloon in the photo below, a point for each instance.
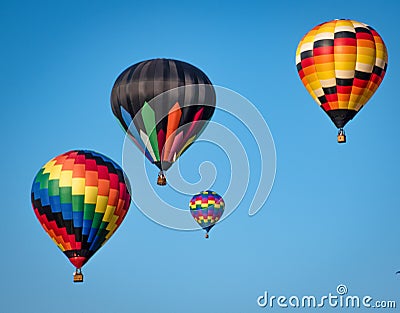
(163, 105)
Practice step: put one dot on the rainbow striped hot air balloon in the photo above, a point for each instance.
(207, 208)
(341, 63)
(80, 198)
(163, 105)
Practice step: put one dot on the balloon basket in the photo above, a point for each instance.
(206, 236)
(78, 276)
(161, 180)
(341, 137)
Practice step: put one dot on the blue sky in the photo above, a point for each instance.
(332, 216)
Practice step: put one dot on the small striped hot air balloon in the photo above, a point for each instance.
(163, 105)
(207, 208)
(80, 198)
(341, 63)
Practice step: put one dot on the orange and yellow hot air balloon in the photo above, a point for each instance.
(341, 63)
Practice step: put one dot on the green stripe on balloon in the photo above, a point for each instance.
(53, 187)
(149, 120)
(103, 225)
(97, 218)
(78, 203)
(44, 180)
(65, 195)
(88, 211)
(102, 232)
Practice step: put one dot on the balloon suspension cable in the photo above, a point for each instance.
(206, 236)
(341, 137)
(78, 276)
(161, 180)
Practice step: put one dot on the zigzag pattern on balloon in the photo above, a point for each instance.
(80, 198)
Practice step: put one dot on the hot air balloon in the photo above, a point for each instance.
(207, 208)
(341, 63)
(163, 105)
(80, 198)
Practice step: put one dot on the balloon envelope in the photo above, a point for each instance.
(167, 103)
(341, 63)
(207, 208)
(80, 198)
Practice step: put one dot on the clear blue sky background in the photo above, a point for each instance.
(332, 216)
